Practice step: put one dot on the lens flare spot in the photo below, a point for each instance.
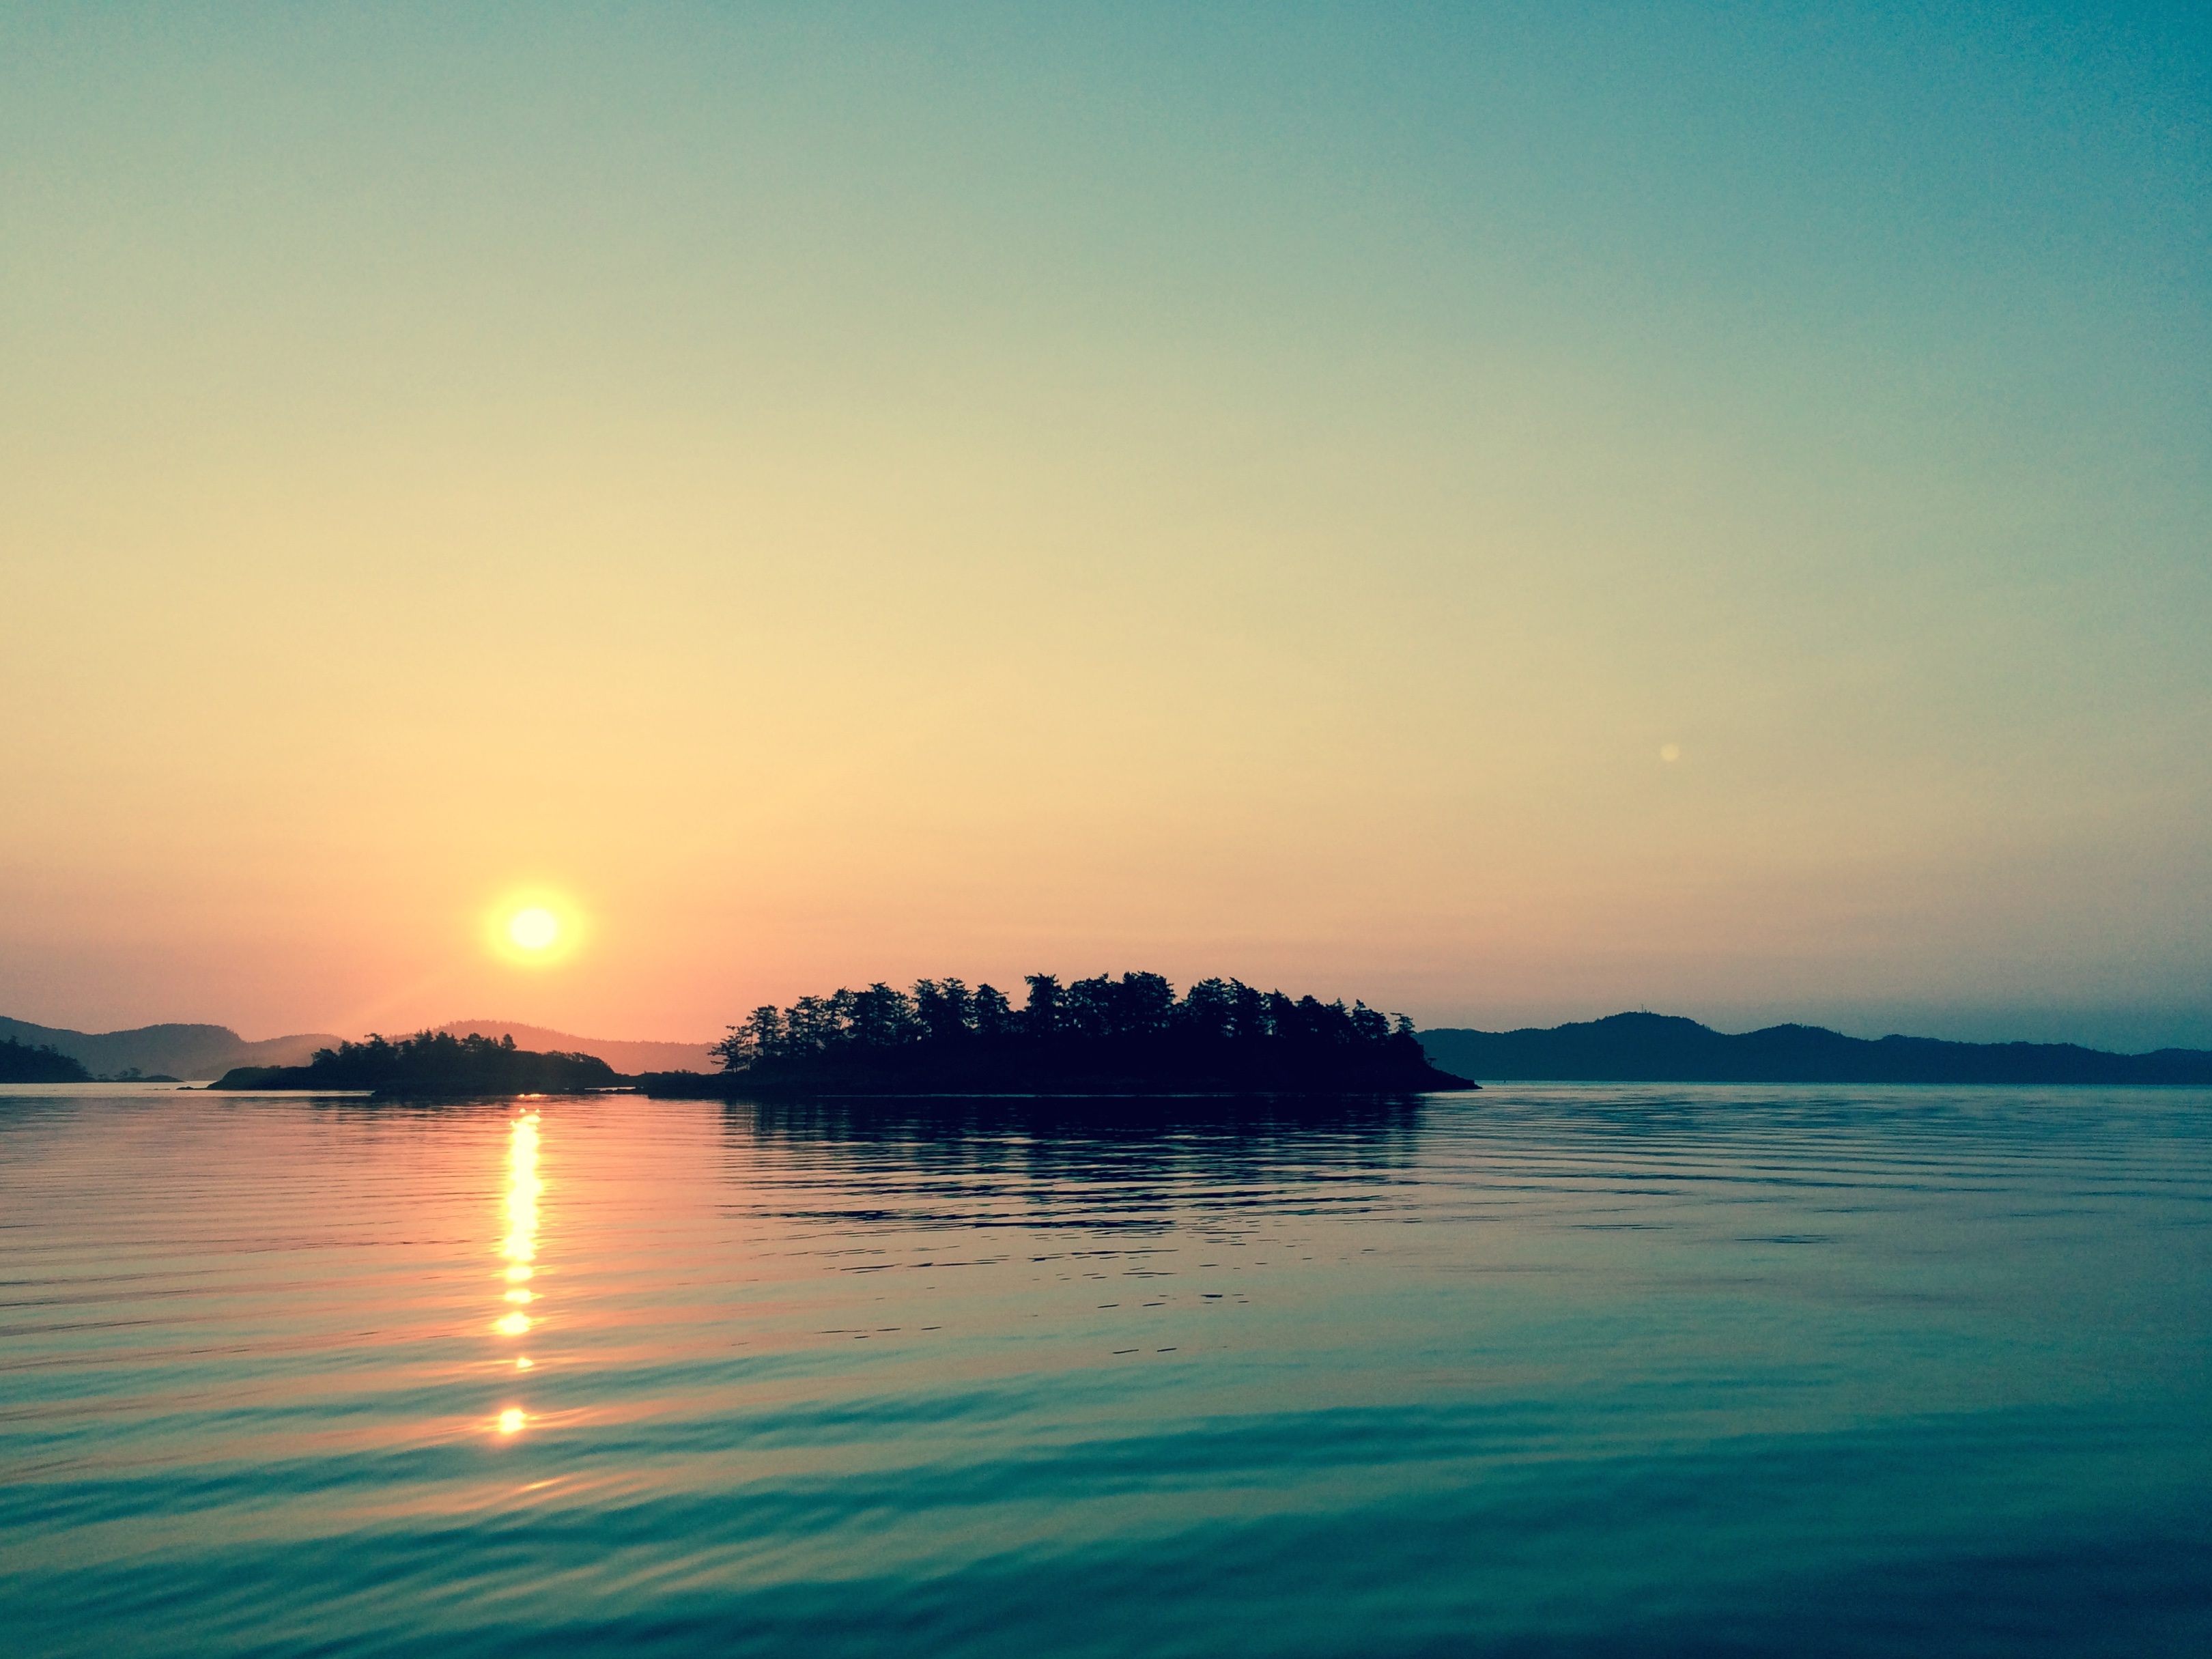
(1670, 751)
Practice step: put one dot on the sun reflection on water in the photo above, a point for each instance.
(520, 1247)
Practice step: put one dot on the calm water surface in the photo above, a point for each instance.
(1543, 1370)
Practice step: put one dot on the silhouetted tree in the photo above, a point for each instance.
(881, 1017)
(1046, 1013)
(1137, 1007)
(812, 1025)
(945, 1009)
(1208, 1012)
(761, 1038)
(1254, 1013)
(995, 1019)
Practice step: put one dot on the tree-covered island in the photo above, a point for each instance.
(22, 1063)
(1100, 1036)
(432, 1063)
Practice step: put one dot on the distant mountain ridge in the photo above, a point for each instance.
(1667, 1048)
(1629, 1048)
(198, 1053)
(192, 1052)
(625, 1056)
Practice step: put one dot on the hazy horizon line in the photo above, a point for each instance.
(1977, 1024)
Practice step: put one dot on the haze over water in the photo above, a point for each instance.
(1572, 1369)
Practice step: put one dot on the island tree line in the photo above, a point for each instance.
(20, 1062)
(432, 1063)
(1137, 1014)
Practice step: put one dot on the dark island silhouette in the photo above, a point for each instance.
(1665, 1049)
(432, 1063)
(1095, 1036)
(20, 1062)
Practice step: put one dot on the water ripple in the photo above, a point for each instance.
(1553, 1370)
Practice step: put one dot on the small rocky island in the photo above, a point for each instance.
(432, 1063)
(1131, 1036)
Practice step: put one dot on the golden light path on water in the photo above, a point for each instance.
(520, 1247)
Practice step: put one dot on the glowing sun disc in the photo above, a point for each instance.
(535, 927)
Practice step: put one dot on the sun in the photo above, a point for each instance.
(534, 928)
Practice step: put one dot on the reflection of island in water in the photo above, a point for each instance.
(1103, 1036)
(1271, 1137)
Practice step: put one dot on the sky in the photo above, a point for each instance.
(1511, 513)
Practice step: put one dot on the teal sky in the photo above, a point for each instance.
(847, 493)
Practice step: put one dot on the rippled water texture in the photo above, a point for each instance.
(1542, 1370)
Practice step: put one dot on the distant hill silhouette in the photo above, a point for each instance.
(624, 1056)
(182, 1051)
(1665, 1049)
(432, 1063)
(198, 1053)
(20, 1062)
